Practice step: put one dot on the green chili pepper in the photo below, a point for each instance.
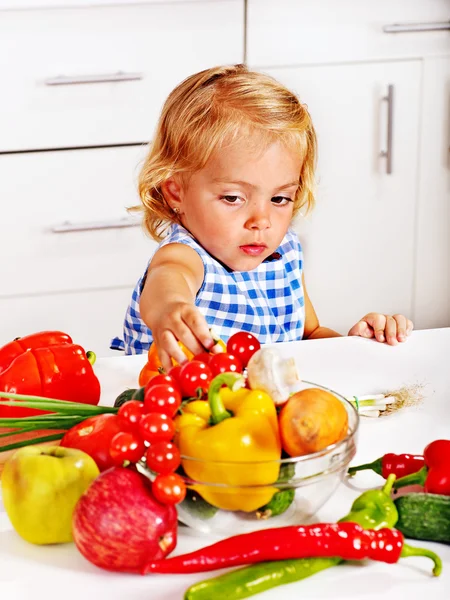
(374, 509)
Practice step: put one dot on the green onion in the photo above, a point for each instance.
(62, 415)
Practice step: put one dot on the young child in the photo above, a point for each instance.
(231, 163)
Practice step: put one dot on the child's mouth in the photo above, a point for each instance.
(254, 249)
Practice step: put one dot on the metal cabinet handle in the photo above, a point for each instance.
(102, 78)
(416, 27)
(389, 98)
(68, 227)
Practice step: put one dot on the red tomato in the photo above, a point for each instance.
(169, 489)
(194, 375)
(93, 436)
(162, 378)
(156, 427)
(203, 357)
(162, 398)
(130, 414)
(225, 363)
(243, 345)
(163, 458)
(175, 373)
(126, 446)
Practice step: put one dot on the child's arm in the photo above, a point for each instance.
(392, 329)
(167, 306)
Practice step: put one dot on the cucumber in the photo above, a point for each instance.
(124, 397)
(282, 499)
(279, 504)
(424, 516)
(194, 504)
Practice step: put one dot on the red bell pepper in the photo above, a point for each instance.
(63, 372)
(435, 475)
(42, 339)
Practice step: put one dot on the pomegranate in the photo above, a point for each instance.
(118, 524)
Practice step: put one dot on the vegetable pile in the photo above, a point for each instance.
(200, 434)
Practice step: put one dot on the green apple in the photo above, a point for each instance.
(40, 487)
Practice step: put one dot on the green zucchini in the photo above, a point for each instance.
(139, 394)
(124, 397)
(424, 516)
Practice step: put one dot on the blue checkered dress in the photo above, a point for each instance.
(267, 301)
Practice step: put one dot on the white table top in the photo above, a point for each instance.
(348, 365)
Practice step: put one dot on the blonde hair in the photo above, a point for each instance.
(213, 108)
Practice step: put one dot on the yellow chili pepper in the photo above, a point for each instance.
(237, 447)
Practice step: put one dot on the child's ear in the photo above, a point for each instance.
(172, 192)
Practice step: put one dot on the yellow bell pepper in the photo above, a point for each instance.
(237, 447)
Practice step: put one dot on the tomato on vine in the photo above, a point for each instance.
(194, 375)
(126, 446)
(225, 363)
(156, 427)
(243, 345)
(130, 415)
(169, 489)
(162, 398)
(163, 458)
(162, 378)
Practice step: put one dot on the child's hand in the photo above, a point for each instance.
(384, 327)
(181, 321)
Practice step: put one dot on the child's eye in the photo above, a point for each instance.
(232, 199)
(281, 200)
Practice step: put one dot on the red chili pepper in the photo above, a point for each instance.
(345, 540)
(399, 464)
(63, 372)
(435, 475)
(43, 339)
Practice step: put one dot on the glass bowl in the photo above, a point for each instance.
(304, 484)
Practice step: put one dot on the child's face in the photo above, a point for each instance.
(240, 205)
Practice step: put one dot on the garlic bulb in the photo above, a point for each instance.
(268, 371)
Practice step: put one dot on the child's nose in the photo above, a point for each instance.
(259, 218)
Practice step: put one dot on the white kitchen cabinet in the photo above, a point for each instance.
(294, 32)
(432, 250)
(77, 78)
(62, 217)
(71, 146)
(359, 240)
(376, 241)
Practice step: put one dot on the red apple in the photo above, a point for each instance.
(119, 525)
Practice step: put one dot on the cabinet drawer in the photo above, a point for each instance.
(78, 191)
(97, 76)
(289, 32)
(91, 318)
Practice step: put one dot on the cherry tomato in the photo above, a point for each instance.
(162, 398)
(203, 357)
(169, 489)
(175, 373)
(130, 414)
(126, 446)
(156, 427)
(194, 375)
(243, 345)
(225, 363)
(93, 436)
(162, 378)
(163, 458)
